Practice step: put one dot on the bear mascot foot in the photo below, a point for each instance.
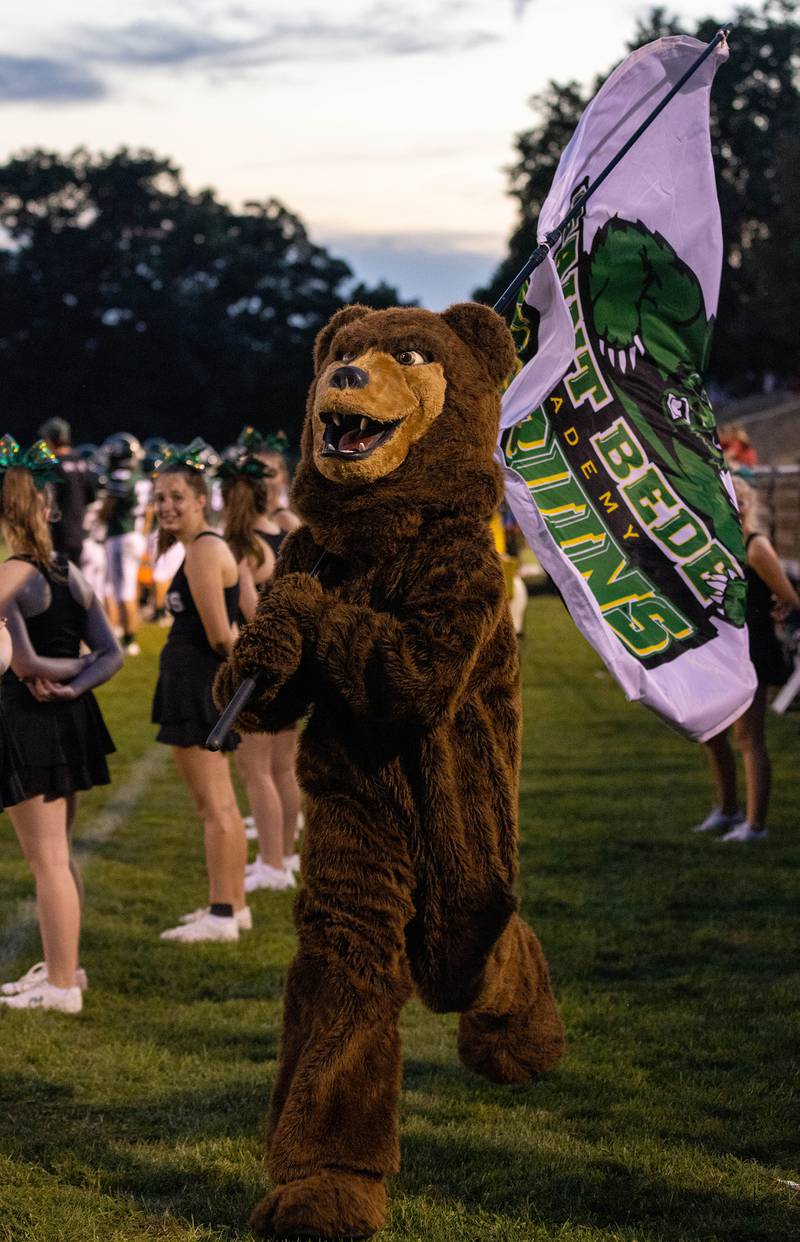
(328, 1204)
(516, 1033)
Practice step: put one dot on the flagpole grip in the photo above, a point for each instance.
(242, 696)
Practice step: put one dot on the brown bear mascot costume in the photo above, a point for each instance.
(399, 648)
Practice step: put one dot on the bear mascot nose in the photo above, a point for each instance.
(349, 377)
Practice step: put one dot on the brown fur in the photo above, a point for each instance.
(404, 653)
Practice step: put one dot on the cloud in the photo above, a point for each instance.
(240, 38)
(211, 37)
(159, 43)
(23, 78)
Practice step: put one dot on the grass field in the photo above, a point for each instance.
(674, 1116)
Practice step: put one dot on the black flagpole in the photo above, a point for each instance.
(508, 296)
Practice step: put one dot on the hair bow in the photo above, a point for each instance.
(42, 464)
(256, 442)
(245, 467)
(188, 455)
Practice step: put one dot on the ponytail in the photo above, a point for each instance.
(245, 500)
(23, 514)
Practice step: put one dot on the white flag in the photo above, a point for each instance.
(613, 467)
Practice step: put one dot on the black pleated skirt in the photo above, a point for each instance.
(11, 791)
(182, 704)
(58, 748)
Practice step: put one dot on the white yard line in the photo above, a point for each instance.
(122, 802)
(16, 935)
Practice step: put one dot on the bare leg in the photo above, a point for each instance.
(129, 610)
(208, 779)
(72, 810)
(722, 762)
(749, 732)
(112, 611)
(41, 829)
(254, 761)
(283, 771)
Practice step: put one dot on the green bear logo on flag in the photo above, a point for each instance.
(622, 460)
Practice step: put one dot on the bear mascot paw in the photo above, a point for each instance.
(386, 626)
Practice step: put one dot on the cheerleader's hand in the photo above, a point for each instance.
(60, 691)
(37, 686)
(50, 691)
(270, 647)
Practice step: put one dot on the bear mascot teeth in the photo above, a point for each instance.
(400, 651)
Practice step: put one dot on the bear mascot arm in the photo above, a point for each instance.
(271, 647)
(408, 668)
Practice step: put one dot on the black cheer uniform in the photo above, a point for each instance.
(61, 746)
(11, 791)
(766, 652)
(272, 541)
(182, 703)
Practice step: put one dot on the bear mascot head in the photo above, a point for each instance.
(401, 422)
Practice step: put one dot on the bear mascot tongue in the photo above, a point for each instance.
(401, 424)
(386, 625)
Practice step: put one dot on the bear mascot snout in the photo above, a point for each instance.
(400, 652)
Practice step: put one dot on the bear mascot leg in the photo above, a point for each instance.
(387, 626)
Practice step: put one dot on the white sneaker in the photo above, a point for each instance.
(38, 974)
(745, 832)
(291, 863)
(44, 995)
(261, 875)
(716, 821)
(244, 917)
(207, 927)
(132, 649)
(250, 828)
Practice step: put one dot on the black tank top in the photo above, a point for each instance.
(187, 627)
(759, 598)
(57, 631)
(273, 541)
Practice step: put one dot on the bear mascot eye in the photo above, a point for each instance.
(411, 358)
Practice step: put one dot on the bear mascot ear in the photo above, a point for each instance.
(486, 334)
(322, 344)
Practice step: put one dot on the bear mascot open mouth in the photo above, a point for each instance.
(400, 653)
(371, 405)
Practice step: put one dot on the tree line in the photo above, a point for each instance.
(128, 301)
(755, 137)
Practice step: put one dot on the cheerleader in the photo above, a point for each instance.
(250, 534)
(60, 739)
(275, 524)
(203, 599)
